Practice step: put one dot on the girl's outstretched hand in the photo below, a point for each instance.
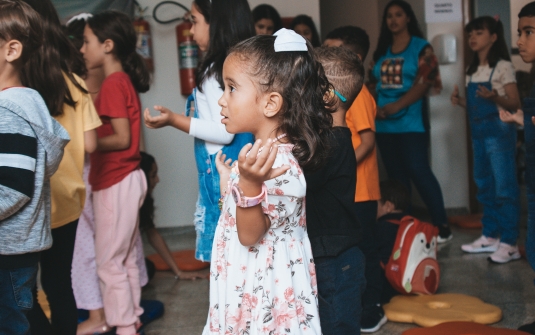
(484, 92)
(224, 167)
(158, 121)
(255, 163)
(509, 117)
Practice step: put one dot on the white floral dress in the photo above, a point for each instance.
(269, 288)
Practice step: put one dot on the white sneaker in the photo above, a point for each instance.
(504, 254)
(482, 244)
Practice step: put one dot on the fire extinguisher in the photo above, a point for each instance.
(144, 41)
(188, 51)
(188, 55)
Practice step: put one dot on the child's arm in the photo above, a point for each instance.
(510, 101)
(367, 138)
(120, 140)
(254, 169)
(90, 141)
(158, 243)
(167, 118)
(224, 169)
(18, 154)
(509, 117)
(414, 94)
(207, 130)
(456, 99)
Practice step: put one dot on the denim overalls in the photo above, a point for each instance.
(494, 145)
(207, 211)
(529, 136)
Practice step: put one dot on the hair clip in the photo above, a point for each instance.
(497, 17)
(289, 40)
(340, 96)
(82, 16)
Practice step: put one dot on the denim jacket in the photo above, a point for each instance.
(207, 211)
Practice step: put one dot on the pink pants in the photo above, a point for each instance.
(116, 230)
(85, 282)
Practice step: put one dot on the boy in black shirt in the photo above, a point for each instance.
(332, 223)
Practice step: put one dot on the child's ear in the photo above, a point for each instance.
(108, 46)
(390, 207)
(13, 50)
(273, 104)
(494, 37)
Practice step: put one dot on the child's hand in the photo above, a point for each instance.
(509, 117)
(455, 95)
(255, 168)
(158, 121)
(484, 92)
(387, 110)
(224, 167)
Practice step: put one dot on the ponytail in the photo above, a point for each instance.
(118, 27)
(136, 68)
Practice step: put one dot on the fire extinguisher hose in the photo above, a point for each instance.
(168, 3)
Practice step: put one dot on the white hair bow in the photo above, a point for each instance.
(289, 40)
(82, 16)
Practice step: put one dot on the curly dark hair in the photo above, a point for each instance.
(385, 36)
(305, 116)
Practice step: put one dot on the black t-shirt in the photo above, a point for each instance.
(332, 222)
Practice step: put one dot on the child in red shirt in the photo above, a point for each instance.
(119, 186)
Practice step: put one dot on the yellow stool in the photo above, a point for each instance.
(431, 310)
(462, 328)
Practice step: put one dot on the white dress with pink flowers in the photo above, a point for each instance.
(269, 288)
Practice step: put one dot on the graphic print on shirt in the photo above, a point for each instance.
(392, 73)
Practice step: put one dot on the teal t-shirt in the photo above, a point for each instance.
(395, 74)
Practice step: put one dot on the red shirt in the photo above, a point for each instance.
(117, 99)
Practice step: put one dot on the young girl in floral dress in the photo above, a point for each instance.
(262, 276)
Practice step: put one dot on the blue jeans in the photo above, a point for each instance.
(529, 136)
(16, 299)
(341, 284)
(497, 187)
(405, 156)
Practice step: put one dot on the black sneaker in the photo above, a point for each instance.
(529, 328)
(444, 234)
(372, 320)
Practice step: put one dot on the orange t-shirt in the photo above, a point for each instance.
(359, 117)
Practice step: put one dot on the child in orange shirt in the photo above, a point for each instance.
(360, 119)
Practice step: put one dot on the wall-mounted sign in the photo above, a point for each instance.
(443, 11)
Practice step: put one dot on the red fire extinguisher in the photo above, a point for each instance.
(188, 55)
(144, 41)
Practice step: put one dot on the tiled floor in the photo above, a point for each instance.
(509, 286)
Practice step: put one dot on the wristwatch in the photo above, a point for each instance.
(246, 202)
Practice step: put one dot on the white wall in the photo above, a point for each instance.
(176, 194)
